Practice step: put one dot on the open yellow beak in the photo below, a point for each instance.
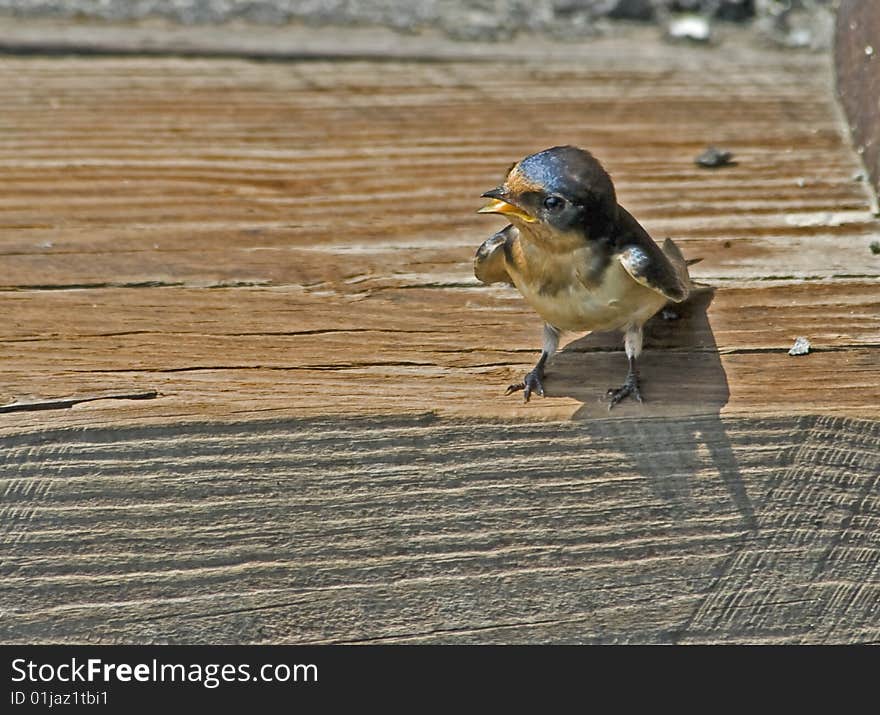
(497, 206)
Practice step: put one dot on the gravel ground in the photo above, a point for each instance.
(791, 22)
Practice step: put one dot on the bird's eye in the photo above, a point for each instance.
(551, 203)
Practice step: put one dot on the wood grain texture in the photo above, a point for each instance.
(297, 238)
(426, 530)
(857, 66)
(275, 258)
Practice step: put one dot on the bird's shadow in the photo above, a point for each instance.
(678, 432)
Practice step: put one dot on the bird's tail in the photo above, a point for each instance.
(680, 263)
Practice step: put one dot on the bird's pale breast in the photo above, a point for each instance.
(556, 286)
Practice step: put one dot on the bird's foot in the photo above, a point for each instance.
(531, 383)
(627, 389)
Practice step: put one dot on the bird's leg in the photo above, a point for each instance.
(629, 387)
(633, 345)
(533, 381)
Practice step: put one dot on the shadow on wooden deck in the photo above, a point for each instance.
(691, 365)
(695, 529)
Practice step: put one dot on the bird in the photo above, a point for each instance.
(579, 259)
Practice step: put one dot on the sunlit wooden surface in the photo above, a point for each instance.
(276, 259)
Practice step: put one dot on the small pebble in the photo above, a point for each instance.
(714, 157)
(875, 248)
(690, 27)
(801, 346)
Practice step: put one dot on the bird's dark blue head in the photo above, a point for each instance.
(564, 188)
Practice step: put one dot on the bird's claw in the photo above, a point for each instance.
(627, 389)
(531, 383)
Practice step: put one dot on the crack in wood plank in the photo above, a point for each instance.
(64, 403)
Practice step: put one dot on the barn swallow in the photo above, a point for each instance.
(578, 257)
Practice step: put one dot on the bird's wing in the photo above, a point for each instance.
(655, 270)
(489, 263)
(664, 271)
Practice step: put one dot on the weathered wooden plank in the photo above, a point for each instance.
(833, 512)
(294, 258)
(427, 531)
(283, 351)
(333, 209)
(293, 241)
(858, 78)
